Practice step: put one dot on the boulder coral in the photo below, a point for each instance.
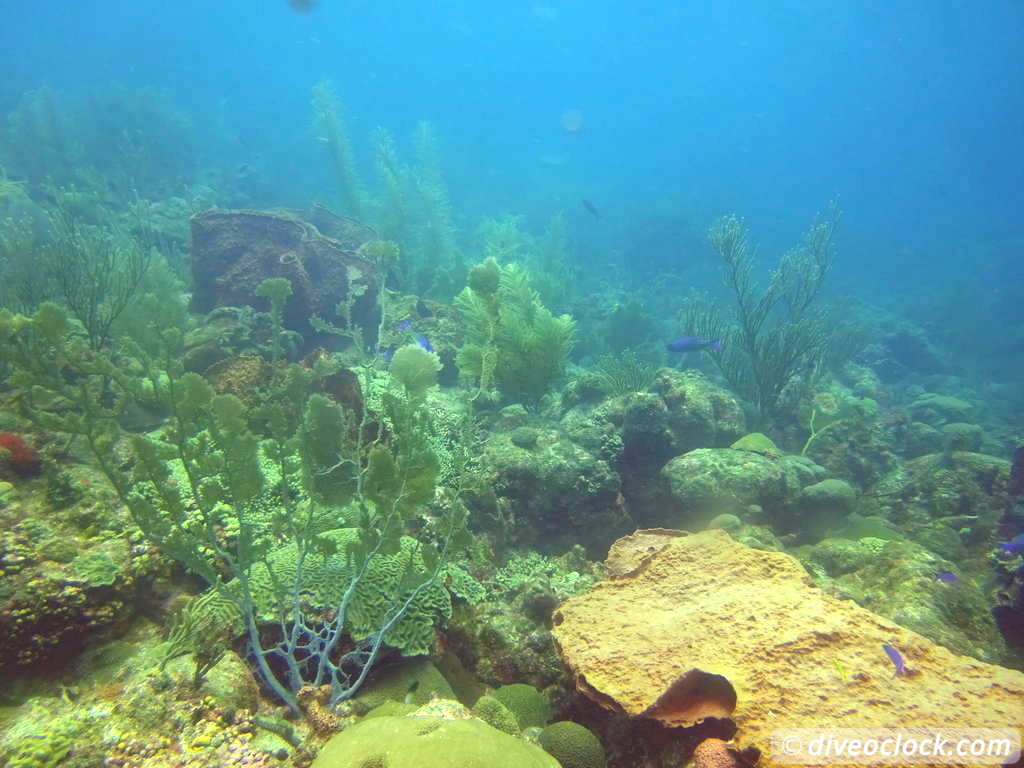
(707, 482)
(692, 627)
(428, 742)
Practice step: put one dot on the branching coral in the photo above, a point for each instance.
(771, 336)
(96, 271)
(512, 340)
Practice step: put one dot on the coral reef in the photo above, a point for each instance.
(529, 706)
(275, 483)
(900, 580)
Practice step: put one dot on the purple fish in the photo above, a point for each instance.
(946, 577)
(1014, 546)
(422, 341)
(404, 325)
(692, 344)
(896, 658)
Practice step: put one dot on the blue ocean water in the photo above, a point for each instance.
(909, 112)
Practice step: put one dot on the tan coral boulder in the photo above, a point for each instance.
(688, 627)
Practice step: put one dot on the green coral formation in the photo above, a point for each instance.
(529, 705)
(428, 742)
(757, 442)
(415, 368)
(413, 681)
(332, 570)
(708, 482)
(496, 715)
(574, 745)
(512, 341)
(897, 579)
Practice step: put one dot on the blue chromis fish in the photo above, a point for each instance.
(405, 324)
(424, 344)
(1014, 546)
(693, 344)
(591, 208)
(896, 658)
(946, 577)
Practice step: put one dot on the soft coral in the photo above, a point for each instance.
(22, 458)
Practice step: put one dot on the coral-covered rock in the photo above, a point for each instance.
(503, 634)
(711, 481)
(641, 431)
(48, 612)
(942, 488)
(574, 745)
(552, 493)
(941, 409)
(708, 628)
(700, 414)
(823, 507)
(900, 580)
(234, 251)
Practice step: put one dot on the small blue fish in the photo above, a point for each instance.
(422, 341)
(387, 354)
(896, 658)
(692, 344)
(946, 577)
(404, 325)
(1014, 546)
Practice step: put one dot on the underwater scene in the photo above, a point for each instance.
(541, 384)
